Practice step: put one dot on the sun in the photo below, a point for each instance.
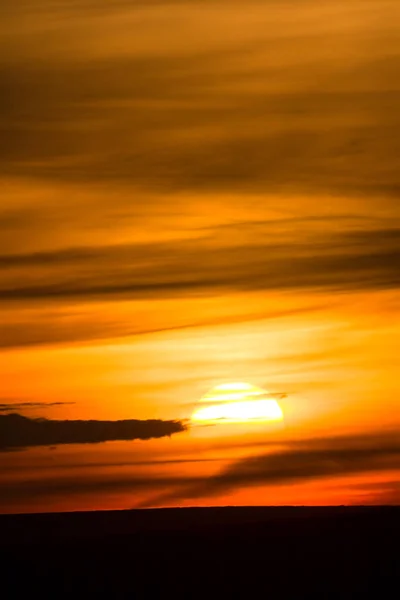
(238, 403)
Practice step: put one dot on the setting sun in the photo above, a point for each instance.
(238, 403)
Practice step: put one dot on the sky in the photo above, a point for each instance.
(194, 194)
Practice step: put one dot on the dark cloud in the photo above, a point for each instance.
(298, 465)
(297, 145)
(355, 260)
(290, 462)
(300, 462)
(9, 407)
(39, 490)
(382, 493)
(17, 431)
(80, 466)
(240, 114)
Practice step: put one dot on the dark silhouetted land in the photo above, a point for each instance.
(272, 553)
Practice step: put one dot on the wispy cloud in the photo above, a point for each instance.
(290, 462)
(381, 493)
(54, 330)
(275, 104)
(299, 462)
(350, 261)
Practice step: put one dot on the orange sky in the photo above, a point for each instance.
(184, 210)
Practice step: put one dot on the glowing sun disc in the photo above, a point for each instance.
(237, 403)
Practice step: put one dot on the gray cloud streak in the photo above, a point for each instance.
(299, 462)
(291, 462)
(352, 261)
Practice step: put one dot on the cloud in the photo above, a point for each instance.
(353, 260)
(300, 462)
(277, 104)
(291, 462)
(381, 494)
(51, 331)
(17, 431)
(9, 407)
(39, 490)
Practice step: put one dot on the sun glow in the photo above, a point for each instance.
(238, 403)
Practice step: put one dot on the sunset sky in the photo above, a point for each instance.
(197, 194)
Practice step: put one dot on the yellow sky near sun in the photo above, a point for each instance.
(327, 359)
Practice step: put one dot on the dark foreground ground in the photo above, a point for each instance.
(203, 553)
